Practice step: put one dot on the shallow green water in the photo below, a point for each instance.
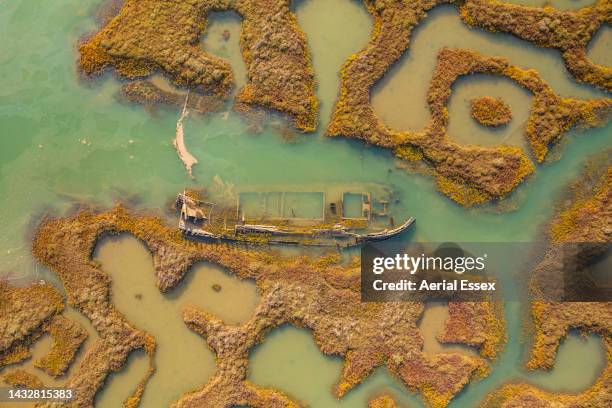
(65, 140)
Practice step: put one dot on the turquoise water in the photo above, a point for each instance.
(66, 140)
(352, 205)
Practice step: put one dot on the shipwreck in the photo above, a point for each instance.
(337, 218)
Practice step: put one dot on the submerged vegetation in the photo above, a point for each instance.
(148, 94)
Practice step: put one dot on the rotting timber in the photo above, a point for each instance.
(276, 221)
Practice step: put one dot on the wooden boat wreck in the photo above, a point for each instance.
(344, 219)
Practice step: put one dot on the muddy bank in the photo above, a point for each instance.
(179, 142)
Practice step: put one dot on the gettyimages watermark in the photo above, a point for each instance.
(476, 272)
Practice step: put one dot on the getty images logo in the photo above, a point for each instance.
(413, 264)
